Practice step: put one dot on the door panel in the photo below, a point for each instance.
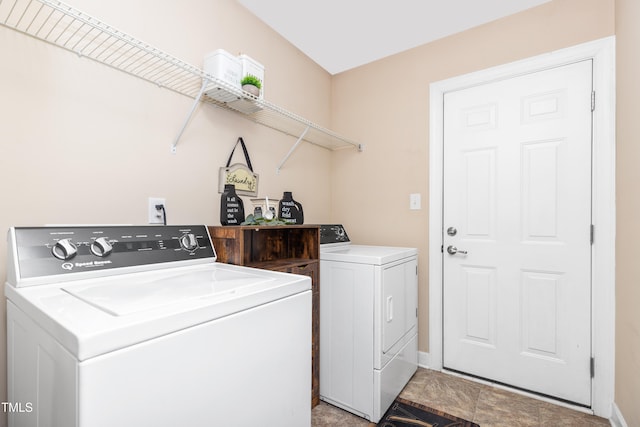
(517, 187)
(481, 181)
(399, 299)
(480, 319)
(393, 300)
(540, 190)
(540, 312)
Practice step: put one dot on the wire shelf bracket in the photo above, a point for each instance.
(291, 150)
(174, 146)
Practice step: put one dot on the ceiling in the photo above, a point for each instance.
(343, 34)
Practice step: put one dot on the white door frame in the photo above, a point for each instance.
(602, 52)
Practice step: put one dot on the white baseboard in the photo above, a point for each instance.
(617, 420)
(423, 359)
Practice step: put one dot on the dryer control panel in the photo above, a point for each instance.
(333, 233)
(55, 251)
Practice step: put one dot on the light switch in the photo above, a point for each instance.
(415, 201)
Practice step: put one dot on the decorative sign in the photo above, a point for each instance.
(231, 207)
(239, 175)
(289, 210)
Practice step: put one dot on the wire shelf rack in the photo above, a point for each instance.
(56, 23)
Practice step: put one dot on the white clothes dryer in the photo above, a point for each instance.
(368, 322)
(139, 326)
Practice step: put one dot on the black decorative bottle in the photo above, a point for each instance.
(231, 206)
(290, 210)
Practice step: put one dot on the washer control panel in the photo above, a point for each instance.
(45, 251)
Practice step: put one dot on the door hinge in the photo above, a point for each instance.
(441, 249)
(592, 233)
(593, 100)
(593, 367)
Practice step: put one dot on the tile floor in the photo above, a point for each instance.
(482, 404)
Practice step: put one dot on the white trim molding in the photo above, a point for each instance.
(423, 360)
(617, 420)
(602, 52)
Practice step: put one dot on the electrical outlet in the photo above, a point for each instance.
(156, 216)
(415, 201)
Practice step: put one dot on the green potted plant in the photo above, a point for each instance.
(251, 84)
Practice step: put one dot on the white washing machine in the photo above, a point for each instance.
(368, 322)
(139, 326)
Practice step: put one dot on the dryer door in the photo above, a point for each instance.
(399, 301)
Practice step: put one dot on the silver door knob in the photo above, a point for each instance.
(452, 250)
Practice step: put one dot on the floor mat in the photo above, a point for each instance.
(404, 413)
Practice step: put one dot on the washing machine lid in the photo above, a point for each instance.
(96, 316)
(364, 254)
(123, 297)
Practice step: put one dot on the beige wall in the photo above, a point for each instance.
(386, 105)
(628, 211)
(82, 143)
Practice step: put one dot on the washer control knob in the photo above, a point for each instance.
(101, 247)
(189, 242)
(64, 249)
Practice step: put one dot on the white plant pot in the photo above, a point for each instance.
(253, 90)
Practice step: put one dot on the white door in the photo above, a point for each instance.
(517, 191)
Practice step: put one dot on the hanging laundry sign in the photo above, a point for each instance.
(239, 175)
